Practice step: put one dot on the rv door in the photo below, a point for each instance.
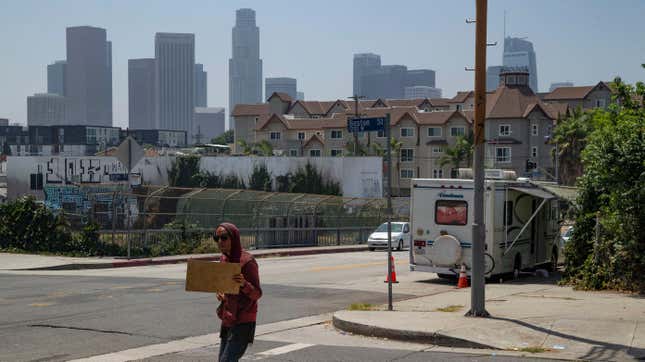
(534, 192)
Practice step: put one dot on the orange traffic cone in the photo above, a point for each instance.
(463, 279)
(392, 273)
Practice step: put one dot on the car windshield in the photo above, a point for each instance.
(396, 228)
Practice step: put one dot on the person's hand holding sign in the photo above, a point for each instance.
(239, 278)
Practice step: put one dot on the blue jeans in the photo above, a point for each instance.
(234, 341)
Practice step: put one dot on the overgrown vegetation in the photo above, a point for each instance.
(28, 226)
(612, 192)
(224, 139)
(185, 172)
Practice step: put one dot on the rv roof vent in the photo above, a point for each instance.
(490, 174)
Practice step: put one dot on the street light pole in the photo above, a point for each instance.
(356, 97)
(477, 295)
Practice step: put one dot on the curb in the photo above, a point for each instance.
(406, 335)
(148, 262)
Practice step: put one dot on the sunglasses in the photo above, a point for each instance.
(221, 237)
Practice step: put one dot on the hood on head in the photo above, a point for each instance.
(236, 246)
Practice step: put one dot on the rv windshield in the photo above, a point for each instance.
(450, 212)
(396, 228)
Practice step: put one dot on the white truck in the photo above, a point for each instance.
(521, 221)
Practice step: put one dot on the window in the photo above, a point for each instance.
(434, 132)
(458, 107)
(508, 213)
(336, 152)
(380, 134)
(314, 153)
(600, 103)
(407, 173)
(336, 134)
(504, 129)
(534, 151)
(534, 129)
(437, 173)
(407, 132)
(437, 150)
(457, 131)
(301, 136)
(451, 212)
(275, 135)
(293, 153)
(407, 155)
(503, 154)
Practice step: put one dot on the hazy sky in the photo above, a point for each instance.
(582, 41)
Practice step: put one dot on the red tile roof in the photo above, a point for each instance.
(461, 97)
(241, 110)
(571, 93)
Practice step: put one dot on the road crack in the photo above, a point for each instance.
(82, 329)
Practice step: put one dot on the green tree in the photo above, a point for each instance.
(308, 180)
(260, 179)
(570, 135)
(183, 172)
(263, 148)
(461, 151)
(224, 139)
(612, 192)
(246, 148)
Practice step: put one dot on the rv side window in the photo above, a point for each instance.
(451, 212)
(508, 213)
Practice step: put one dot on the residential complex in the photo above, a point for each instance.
(518, 123)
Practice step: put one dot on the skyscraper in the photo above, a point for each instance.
(56, 77)
(421, 91)
(201, 86)
(386, 82)
(282, 85)
(492, 77)
(46, 109)
(88, 76)
(364, 64)
(174, 81)
(519, 53)
(141, 93)
(245, 67)
(420, 78)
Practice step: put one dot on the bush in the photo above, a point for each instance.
(260, 179)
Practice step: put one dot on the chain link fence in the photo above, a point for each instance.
(147, 219)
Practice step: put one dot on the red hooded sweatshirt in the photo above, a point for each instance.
(243, 307)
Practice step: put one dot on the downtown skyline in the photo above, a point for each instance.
(324, 74)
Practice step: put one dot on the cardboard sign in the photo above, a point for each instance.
(212, 277)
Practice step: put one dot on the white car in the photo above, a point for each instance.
(400, 236)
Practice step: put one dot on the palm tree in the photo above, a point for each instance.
(264, 148)
(247, 148)
(461, 151)
(360, 150)
(571, 137)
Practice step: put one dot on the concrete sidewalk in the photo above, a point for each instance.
(542, 320)
(10, 261)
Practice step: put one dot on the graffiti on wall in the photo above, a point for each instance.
(59, 170)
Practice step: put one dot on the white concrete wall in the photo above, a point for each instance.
(358, 177)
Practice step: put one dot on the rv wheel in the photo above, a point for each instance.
(553, 266)
(517, 265)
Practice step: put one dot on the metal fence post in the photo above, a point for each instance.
(337, 236)
(113, 216)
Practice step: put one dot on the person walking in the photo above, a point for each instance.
(238, 312)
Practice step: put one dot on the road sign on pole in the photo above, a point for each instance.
(366, 124)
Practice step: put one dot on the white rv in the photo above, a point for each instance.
(521, 223)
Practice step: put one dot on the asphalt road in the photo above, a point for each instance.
(66, 315)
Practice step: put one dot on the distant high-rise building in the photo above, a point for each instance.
(364, 64)
(420, 77)
(174, 81)
(559, 85)
(208, 123)
(88, 76)
(141, 93)
(56, 77)
(245, 66)
(300, 96)
(421, 91)
(46, 109)
(281, 85)
(492, 77)
(386, 82)
(201, 86)
(519, 53)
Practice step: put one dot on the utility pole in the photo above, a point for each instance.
(356, 97)
(477, 295)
